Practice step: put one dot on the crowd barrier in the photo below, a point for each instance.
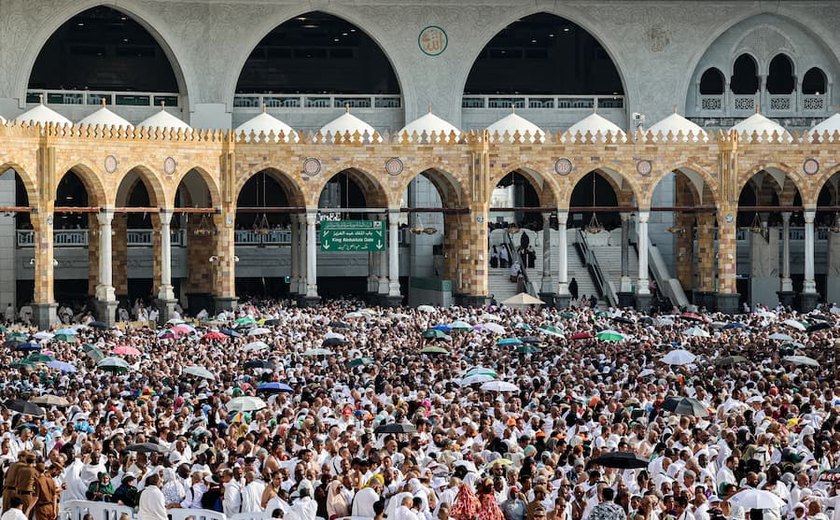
(78, 509)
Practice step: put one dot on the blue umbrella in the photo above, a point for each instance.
(68, 331)
(274, 387)
(61, 365)
(446, 329)
(231, 333)
(28, 347)
(508, 341)
(734, 325)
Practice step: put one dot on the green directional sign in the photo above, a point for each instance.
(353, 235)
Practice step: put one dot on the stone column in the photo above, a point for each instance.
(832, 272)
(642, 291)
(809, 296)
(394, 296)
(44, 306)
(547, 286)
(106, 301)
(563, 297)
(294, 250)
(786, 295)
(764, 265)
(382, 267)
(727, 297)
(311, 258)
(626, 283)
(302, 253)
(166, 295)
(224, 275)
(704, 296)
(8, 237)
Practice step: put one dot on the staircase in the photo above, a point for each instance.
(609, 257)
(498, 280)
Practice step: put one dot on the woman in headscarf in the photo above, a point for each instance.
(339, 498)
(466, 505)
(365, 498)
(101, 489)
(487, 498)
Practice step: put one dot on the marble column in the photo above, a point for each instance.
(394, 295)
(382, 266)
(643, 295)
(547, 285)
(294, 251)
(809, 297)
(302, 253)
(787, 283)
(106, 300)
(311, 256)
(626, 281)
(563, 297)
(166, 296)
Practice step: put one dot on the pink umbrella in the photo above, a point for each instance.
(126, 351)
(183, 329)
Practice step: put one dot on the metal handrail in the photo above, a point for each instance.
(542, 101)
(529, 287)
(257, 101)
(591, 261)
(95, 97)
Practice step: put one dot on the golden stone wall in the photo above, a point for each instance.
(464, 170)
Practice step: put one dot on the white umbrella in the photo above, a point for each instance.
(427, 309)
(43, 335)
(696, 332)
(523, 299)
(489, 317)
(495, 328)
(245, 404)
(475, 379)
(756, 499)
(794, 325)
(647, 372)
(254, 346)
(197, 371)
(499, 386)
(778, 336)
(678, 357)
(334, 335)
(368, 312)
(353, 315)
(663, 321)
(258, 331)
(731, 404)
(313, 352)
(802, 360)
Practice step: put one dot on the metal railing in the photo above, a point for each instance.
(516, 257)
(795, 233)
(248, 237)
(80, 238)
(95, 97)
(547, 101)
(589, 259)
(774, 105)
(257, 101)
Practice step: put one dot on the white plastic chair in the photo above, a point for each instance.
(195, 514)
(77, 509)
(257, 515)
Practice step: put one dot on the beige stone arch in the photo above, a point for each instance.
(704, 186)
(294, 194)
(831, 183)
(376, 194)
(25, 178)
(778, 172)
(547, 189)
(157, 194)
(625, 191)
(91, 179)
(210, 182)
(448, 185)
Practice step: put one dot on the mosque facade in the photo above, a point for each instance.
(192, 151)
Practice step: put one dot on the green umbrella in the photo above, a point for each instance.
(67, 338)
(360, 362)
(38, 358)
(22, 365)
(567, 315)
(551, 330)
(17, 335)
(113, 364)
(508, 342)
(434, 334)
(602, 313)
(434, 350)
(481, 371)
(730, 360)
(246, 320)
(522, 325)
(528, 349)
(3, 329)
(610, 335)
(93, 353)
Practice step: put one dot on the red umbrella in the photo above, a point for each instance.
(215, 334)
(582, 335)
(691, 316)
(126, 351)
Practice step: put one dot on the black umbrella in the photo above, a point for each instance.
(339, 325)
(98, 325)
(332, 342)
(685, 406)
(395, 428)
(13, 342)
(24, 407)
(647, 320)
(272, 322)
(260, 363)
(620, 460)
(146, 447)
(531, 339)
(814, 327)
(622, 319)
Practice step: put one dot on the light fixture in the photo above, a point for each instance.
(235, 258)
(594, 227)
(55, 262)
(677, 230)
(213, 259)
(418, 228)
(261, 226)
(205, 227)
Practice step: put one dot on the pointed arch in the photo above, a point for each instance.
(448, 186)
(376, 196)
(209, 182)
(292, 191)
(148, 18)
(26, 179)
(157, 194)
(91, 180)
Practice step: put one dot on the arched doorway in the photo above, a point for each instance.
(828, 232)
(352, 195)
(266, 225)
(770, 219)
(75, 220)
(318, 60)
(194, 241)
(602, 208)
(101, 54)
(429, 229)
(540, 64)
(16, 289)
